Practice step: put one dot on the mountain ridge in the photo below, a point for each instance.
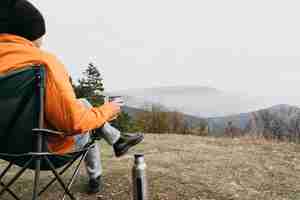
(200, 101)
(283, 118)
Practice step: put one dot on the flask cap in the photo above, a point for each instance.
(138, 158)
(138, 155)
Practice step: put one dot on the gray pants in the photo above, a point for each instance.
(93, 158)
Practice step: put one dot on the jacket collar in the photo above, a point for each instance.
(9, 38)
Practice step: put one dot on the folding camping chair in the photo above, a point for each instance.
(22, 136)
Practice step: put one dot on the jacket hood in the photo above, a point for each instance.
(9, 38)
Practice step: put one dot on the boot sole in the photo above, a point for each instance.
(125, 150)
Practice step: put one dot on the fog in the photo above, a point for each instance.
(246, 47)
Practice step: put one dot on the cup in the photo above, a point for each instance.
(116, 99)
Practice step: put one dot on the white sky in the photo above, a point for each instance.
(248, 46)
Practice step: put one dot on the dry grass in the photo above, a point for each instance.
(194, 168)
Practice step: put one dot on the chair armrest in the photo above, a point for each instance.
(47, 132)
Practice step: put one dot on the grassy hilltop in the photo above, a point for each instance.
(198, 168)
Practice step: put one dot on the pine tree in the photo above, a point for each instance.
(91, 85)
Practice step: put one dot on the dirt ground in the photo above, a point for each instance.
(195, 168)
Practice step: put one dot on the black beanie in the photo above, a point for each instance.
(20, 17)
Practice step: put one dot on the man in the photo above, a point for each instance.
(22, 28)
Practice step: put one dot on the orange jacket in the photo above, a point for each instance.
(62, 110)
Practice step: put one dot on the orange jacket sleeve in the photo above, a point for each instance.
(63, 110)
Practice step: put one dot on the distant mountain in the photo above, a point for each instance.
(191, 120)
(280, 120)
(192, 100)
(223, 113)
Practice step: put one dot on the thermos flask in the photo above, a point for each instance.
(139, 178)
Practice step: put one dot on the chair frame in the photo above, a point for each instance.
(37, 156)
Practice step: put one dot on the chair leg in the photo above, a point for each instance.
(36, 179)
(75, 174)
(3, 185)
(54, 179)
(10, 192)
(6, 170)
(59, 179)
(5, 188)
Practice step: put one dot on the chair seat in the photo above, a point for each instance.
(21, 132)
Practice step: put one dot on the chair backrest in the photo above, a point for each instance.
(21, 102)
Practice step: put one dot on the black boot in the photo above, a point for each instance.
(125, 142)
(95, 185)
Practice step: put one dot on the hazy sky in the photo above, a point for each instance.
(244, 46)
